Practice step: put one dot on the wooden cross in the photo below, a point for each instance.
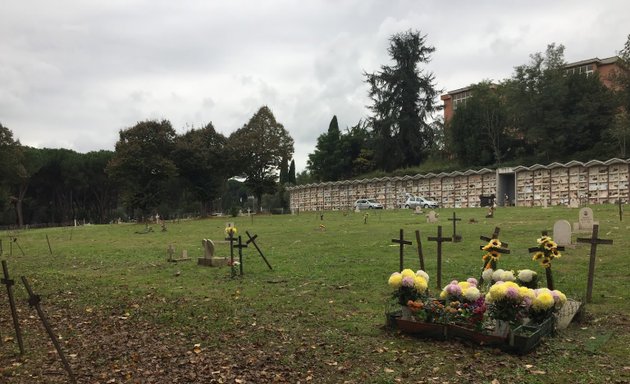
(618, 202)
(16, 322)
(439, 239)
(240, 247)
(231, 239)
(495, 235)
(252, 239)
(591, 266)
(420, 255)
(548, 274)
(456, 238)
(402, 243)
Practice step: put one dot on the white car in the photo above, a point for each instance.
(419, 201)
(367, 204)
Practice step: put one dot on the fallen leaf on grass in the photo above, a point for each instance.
(539, 372)
(387, 370)
(197, 348)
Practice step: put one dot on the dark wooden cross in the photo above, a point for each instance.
(439, 239)
(620, 210)
(252, 239)
(16, 322)
(593, 240)
(240, 247)
(420, 254)
(402, 243)
(548, 274)
(456, 238)
(34, 301)
(231, 239)
(495, 235)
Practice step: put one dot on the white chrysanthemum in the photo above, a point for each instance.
(496, 275)
(423, 274)
(487, 274)
(508, 276)
(472, 293)
(526, 275)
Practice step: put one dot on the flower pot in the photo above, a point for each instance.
(501, 328)
(476, 337)
(526, 337)
(422, 329)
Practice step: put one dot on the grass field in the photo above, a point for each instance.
(125, 314)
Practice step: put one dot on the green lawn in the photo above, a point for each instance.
(125, 314)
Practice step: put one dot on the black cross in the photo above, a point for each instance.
(495, 235)
(420, 255)
(618, 202)
(456, 238)
(591, 266)
(402, 243)
(16, 322)
(252, 239)
(231, 239)
(439, 239)
(548, 274)
(240, 247)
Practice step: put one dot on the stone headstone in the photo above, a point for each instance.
(574, 203)
(170, 252)
(585, 221)
(208, 258)
(562, 232)
(544, 203)
(357, 210)
(418, 210)
(432, 217)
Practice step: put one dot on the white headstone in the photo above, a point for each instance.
(574, 203)
(418, 210)
(357, 210)
(562, 232)
(432, 217)
(585, 221)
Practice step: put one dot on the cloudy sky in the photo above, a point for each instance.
(74, 73)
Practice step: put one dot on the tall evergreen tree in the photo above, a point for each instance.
(325, 163)
(404, 98)
(291, 177)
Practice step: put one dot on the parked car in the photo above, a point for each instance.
(367, 204)
(419, 201)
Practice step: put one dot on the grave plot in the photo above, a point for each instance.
(502, 309)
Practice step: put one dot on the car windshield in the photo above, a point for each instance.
(372, 201)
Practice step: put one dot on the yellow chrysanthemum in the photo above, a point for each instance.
(526, 292)
(407, 273)
(543, 301)
(395, 280)
(463, 285)
(420, 283)
(497, 291)
(443, 295)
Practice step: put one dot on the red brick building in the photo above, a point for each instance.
(605, 68)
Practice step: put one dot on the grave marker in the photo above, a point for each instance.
(34, 301)
(252, 239)
(456, 238)
(562, 232)
(16, 322)
(420, 254)
(402, 242)
(208, 258)
(490, 259)
(432, 217)
(439, 239)
(585, 221)
(594, 241)
(618, 203)
(171, 252)
(548, 272)
(240, 247)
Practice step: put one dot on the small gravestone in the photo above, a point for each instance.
(357, 210)
(574, 203)
(585, 221)
(432, 217)
(562, 232)
(208, 258)
(544, 204)
(418, 210)
(171, 252)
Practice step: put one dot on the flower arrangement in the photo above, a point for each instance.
(408, 285)
(544, 303)
(547, 251)
(466, 291)
(527, 278)
(505, 299)
(230, 231)
(465, 305)
(492, 276)
(492, 255)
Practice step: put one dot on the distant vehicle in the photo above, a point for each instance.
(367, 204)
(419, 201)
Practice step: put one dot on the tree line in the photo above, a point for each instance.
(152, 170)
(541, 114)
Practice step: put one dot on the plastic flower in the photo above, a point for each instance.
(231, 231)
(395, 280)
(407, 273)
(526, 275)
(423, 274)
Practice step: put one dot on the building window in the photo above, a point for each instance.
(582, 70)
(460, 98)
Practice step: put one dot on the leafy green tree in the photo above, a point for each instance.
(404, 99)
(202, 158)
(8, 164)
(29, 161)
(259, 147)
(142, 164)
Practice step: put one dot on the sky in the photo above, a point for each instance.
(75, 73)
